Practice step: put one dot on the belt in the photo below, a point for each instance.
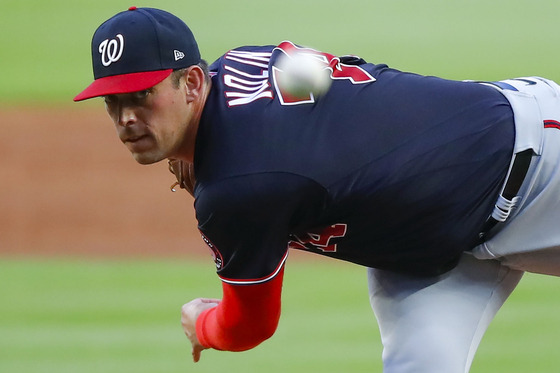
(508, 198)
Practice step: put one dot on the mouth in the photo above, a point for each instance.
(134, 139)
(139, 143)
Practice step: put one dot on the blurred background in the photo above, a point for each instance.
(97, 255)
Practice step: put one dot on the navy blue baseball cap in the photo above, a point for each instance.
(137, 49)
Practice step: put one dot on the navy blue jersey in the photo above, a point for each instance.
(388, 169)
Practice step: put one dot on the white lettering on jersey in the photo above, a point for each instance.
(259, 59)
(247, 87)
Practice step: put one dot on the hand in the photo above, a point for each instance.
(189, 315)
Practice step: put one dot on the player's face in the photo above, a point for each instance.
(153, 124)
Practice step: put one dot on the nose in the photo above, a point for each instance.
(126, 115)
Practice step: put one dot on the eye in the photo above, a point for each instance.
(110, 99)
(141, 95)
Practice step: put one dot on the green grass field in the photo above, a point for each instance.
(62, 315)
(46, 53)
(123, 316)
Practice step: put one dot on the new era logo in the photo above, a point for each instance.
(178, 55)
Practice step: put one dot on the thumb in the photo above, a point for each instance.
(196, 354)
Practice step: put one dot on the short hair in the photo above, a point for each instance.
(177, 74)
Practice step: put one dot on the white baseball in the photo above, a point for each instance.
(301, 74)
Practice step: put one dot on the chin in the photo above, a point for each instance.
(146, 159)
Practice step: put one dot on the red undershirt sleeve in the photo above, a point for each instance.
(246, 316)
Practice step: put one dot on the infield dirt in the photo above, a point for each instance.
(69, 187)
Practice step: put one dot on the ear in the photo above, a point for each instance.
(194, 82)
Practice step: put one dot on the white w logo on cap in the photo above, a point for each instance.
(111, 50)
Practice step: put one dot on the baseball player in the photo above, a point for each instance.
(447, 191)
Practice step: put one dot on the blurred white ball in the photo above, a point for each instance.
(302, 74)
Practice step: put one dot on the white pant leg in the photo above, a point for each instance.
(529, 239)
(434, 325)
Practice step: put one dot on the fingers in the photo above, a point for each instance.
(189, 314)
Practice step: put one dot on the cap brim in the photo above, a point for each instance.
(126, 83)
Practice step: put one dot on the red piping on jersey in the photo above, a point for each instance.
(246, 316)
(258, 280)
(549, 123)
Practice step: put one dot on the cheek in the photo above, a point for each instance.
(113, 114)
(172, 111)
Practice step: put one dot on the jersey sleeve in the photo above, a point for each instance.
(246, 222)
